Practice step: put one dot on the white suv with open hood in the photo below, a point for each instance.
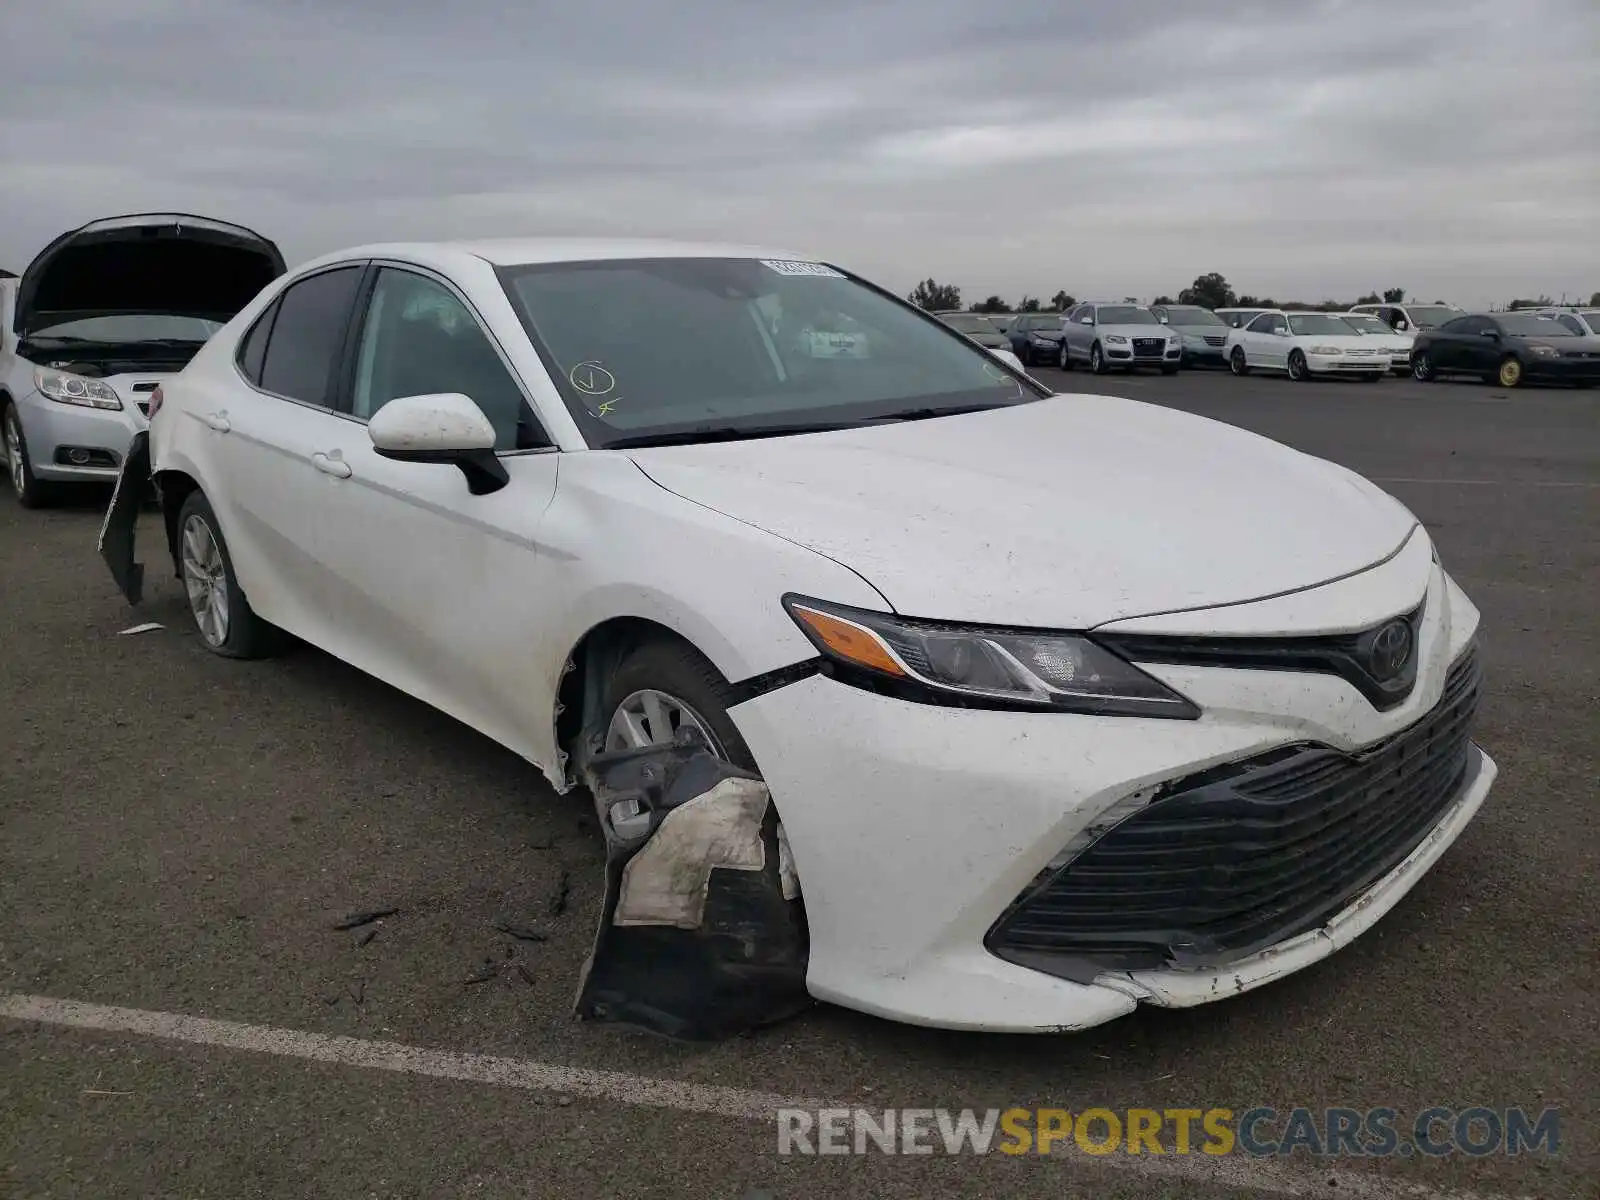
(98, 319)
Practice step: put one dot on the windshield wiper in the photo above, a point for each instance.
(720, 433)
(924, 414)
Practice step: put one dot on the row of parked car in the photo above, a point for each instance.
(1367, 342)
(107, 311)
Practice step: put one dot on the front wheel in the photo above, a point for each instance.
(1510, 373)
(1237, 363)
(227, 624)
(1097, 360)
(1298, 370)
(662, 687)
(1422, 368)
(1064, 360)
(29, 491)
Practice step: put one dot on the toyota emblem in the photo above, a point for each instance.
(1391, 651)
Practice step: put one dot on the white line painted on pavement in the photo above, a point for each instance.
(1549, 483)
(1236, 1172)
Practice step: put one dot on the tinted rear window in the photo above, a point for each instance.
(308, 336)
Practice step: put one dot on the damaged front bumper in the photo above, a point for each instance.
(135, 488)
(702, 935)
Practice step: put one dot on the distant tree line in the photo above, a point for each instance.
(1208, 291)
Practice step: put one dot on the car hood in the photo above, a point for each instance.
(1200, 330)
(169, 263)
(1063, 513)
(1132, 331)
(1349, 341)
(1566, 345)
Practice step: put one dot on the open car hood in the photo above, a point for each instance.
(168, 263)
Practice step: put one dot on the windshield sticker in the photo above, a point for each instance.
(788, 267)
(821, 343)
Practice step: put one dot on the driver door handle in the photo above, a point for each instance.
(218, 421)
(336, 467)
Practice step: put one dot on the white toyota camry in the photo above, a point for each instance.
(1065, 702)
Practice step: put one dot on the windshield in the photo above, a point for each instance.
(725, 346)
(1124, 314)
(1303, 323)
(1431, 316)
(1591, 319)
(1365, 323)
(1188, 315)
(1528, 325)
(120, 329)
(969, 323)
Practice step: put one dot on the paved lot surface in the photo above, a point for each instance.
(178, 833)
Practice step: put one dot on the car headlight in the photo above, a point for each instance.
(1039, 338)
(1545, 351)
(1116, 339)
(980, 667)
(1325, 350)
(65, 388)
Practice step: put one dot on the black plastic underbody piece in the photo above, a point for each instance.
(1227, 863)
(744, 967)
(122, 516)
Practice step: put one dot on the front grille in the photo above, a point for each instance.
(1245, 856)
(1212, 340)
(1153, 347)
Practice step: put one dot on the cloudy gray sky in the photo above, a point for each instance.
(1304, 148)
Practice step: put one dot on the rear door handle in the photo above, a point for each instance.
(336, 467)
(218, 421)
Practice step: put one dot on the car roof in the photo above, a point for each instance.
(504, 252)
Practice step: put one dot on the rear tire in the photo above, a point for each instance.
(30, 491)
(223, 617)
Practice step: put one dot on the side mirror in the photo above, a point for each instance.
(1085, 320)
(1492, 334)
(445, 427)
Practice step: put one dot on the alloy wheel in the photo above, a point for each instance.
(1297, 366)
(1510, 373)
(16, 454)
(650, 717)
(1237, 363)
(1422, 367)
(205, 579)
(1096, 363)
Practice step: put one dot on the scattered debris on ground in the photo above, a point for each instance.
(357, 919)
